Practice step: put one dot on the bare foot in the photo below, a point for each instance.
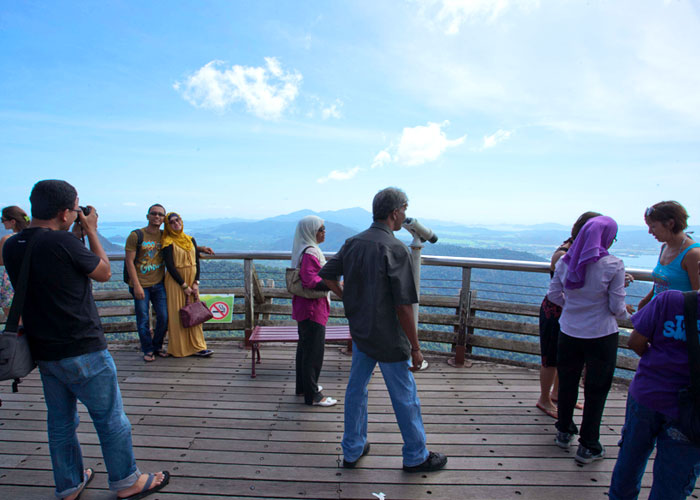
(160, 479)
(547, 407)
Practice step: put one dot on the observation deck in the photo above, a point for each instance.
(224, 435)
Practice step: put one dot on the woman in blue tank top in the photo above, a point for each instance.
(677, 268)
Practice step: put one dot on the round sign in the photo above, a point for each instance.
(219, 310)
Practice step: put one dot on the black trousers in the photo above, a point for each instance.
(310, 348)
(599, 356)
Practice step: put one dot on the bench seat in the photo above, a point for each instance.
(262, 334)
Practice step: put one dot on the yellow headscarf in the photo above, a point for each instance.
(171, 236)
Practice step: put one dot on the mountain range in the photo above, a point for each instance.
(533, 242)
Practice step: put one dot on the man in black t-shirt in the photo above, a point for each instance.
(67, 341)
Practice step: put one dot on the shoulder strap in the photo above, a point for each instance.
(690, 311)
(21, 288)
(690, 247)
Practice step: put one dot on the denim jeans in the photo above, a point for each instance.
(92, 379)
(599, 356)
(309, 359)
(404, 398)
(156, 295)
(677, 462)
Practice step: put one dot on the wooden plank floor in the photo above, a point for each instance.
(222, 434)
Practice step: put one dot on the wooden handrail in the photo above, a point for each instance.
(463, 321)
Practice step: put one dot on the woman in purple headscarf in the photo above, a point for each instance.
(589, 285)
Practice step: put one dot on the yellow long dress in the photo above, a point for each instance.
(182, 341)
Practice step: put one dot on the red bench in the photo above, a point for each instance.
(289, 334)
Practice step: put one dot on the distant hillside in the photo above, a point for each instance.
(534, 242)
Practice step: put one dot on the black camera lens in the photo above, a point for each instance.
(86, 210)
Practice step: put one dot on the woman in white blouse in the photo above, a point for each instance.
(589, 285)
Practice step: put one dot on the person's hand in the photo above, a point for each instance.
(416, 360)
(195, 290)
(629, 279)
(188, 291)
(206, 250)
(630, 308)
(89, 223)
(139, 294)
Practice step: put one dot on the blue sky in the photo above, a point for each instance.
(484, 112)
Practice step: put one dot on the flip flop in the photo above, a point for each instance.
(147, 356)
(163, 354)
(551, 413)
(88, 477)
(147, 490)
(205, 353)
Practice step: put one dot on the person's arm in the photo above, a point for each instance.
(169, 261)
(2, 244)
(555, 294)
(206, 250)
(555, 258)
(638, 342)
(332, 271)
(195, 285)
(691, 264)
(103, 271)
(129, 256)
(647, 298)
(334, 286)
(405, 314)
(616, 293)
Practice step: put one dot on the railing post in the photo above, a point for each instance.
(464, 311)
(249, 301)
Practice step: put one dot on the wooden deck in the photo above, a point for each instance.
(224, 435)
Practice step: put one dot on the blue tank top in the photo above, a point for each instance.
(672, 276)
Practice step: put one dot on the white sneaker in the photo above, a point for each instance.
(327, 401)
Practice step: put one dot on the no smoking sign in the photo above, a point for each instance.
(219, 310)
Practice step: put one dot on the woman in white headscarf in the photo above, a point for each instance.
(310, 314)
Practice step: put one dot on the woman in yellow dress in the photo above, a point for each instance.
(181, 282)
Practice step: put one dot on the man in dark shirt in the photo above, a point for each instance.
(378, 296)
(67, 341)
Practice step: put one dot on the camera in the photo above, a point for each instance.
(418, 230)
(86, 210)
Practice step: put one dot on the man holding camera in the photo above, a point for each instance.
(145, 271)
(378, 296)
(68, 344)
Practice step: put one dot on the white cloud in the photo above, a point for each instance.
(422, 144)
(266, 91)
(340, 175)
(130, 204)
(333, 110)
(449, 15)
(491, 140)
(382, 158)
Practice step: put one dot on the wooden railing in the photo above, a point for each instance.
(461, 319)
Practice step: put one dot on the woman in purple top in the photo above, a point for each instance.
(652, 406)
(311, 314)
(589, 285)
